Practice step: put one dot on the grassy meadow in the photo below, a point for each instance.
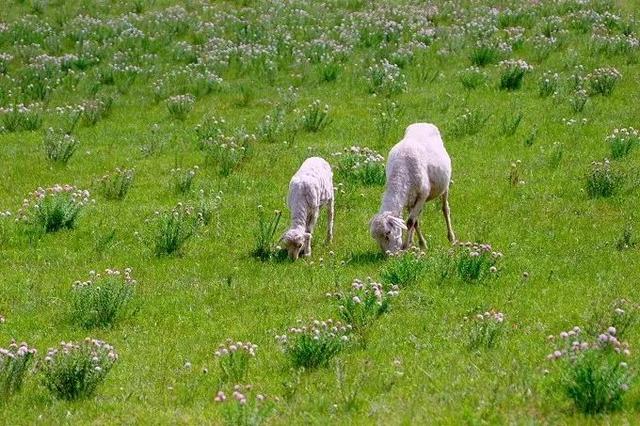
(541, 173)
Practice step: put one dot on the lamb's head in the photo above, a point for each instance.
(295, 241)
(387, 229)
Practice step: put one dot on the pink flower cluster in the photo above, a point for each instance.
(35, 199)
(318, 330)
(493, 316)
(231, 347)
(571, 344)
(240, 395)
(15, 350)
(98, 350)
(361, 291)
(95, 277)
(516, 64)
(478, 249)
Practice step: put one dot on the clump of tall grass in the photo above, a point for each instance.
(329, 71)
(53, 209)
(207, 208)
(116, 185)
(622, 141)
(5, 218)
(154, 141)
(228, 152)
(593, 373)
(234, 359)
(95, 110)
(59, 146)
(265, 234)
(510, 123)
(211, 128)
(21, 117)
(405, 268)
(486, 53)
(314, 344)
(512, 73)
(103, 298)
(474, 261)
(603, 180)
(69, 116)
(387, 117)
(74, 370)
(626, 241)
(472, 77)
(602, 81)
(485, 329)
(363, 303)
(361, 164)
(548, 84)
(469, 123)
(622, 314)
(386, 78)
(15, 362)
(167, 231)
(182, 180)
(244, 406)
(180, 106)
(315, 117)
(578, 100)
(275, 128)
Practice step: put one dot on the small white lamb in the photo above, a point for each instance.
(309, 189)
(418, 170)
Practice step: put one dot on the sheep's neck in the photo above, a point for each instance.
(299, 217)
(395, 198)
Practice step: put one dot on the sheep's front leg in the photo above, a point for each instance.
(447, 217)
(311, 224)
(408, 242)
(412, 221)
(421, 239)
(330, 214)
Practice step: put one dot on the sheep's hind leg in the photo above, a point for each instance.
(447, 217)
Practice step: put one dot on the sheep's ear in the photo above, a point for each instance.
(396, 222)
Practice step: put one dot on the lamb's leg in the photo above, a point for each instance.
(330, 214)
(421, 240)
(311, 224)
(447, 217)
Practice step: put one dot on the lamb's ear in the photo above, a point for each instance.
(396, 222)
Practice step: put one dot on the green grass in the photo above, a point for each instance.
(416, 367)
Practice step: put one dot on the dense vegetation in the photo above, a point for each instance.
(145, 146)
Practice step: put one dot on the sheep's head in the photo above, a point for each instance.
(387, 229)
(295, 241)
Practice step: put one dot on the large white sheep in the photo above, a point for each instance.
(309, 189)
(418, 170)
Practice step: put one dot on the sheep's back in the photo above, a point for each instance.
(420, 161)
(313, 182)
